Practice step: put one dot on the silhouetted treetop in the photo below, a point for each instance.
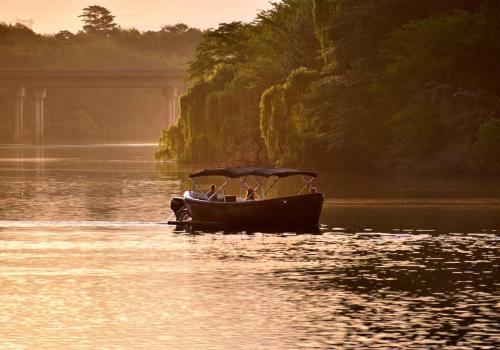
(175, 29)
(64, 35)
(97, 19)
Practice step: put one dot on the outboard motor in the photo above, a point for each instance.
(177, 203)
(179, 207)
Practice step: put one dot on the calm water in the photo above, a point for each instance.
(86, 262)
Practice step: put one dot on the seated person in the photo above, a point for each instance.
(250, 194)
(211, 194)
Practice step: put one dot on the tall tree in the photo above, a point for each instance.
(179, 28)
(98, 19)
(389, 85)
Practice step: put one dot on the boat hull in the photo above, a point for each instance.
(288, 214)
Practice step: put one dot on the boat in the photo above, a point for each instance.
(265, 213)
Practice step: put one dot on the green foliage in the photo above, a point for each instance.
(418, 131)
(233, 66)
(225, 45)
(282, 122)
(402, 81)
(209, 128)
(443, 70)
(323, 10)
(351, 85)
(120, 114)
(445, 48)
(179, 28)
(487, 146)
(98, 20)
(169, 141)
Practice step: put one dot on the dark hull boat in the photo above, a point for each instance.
(295, 214)
(217, 211)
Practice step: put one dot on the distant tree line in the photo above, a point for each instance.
(95, 115)
(348, 85)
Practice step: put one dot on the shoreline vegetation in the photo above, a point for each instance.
(347, 85)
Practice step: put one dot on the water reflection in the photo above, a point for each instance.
(142, 286)
(418, 290)
(86, 263)
(122, 182)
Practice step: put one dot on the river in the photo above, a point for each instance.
(87, 262)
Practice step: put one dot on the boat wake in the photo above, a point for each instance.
(76, 224)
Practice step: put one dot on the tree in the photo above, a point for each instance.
(97, 19)
(234, 64)
(179, 28)
(228, 44)
(64, 35)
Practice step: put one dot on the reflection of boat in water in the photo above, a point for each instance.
(299, 213)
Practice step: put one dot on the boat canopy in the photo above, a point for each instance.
(250, 170)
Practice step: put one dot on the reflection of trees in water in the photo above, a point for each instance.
(102, 195)
(421, 287)
(444, 217)
(175, 176)
(417, 266)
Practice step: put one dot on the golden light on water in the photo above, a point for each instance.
(88, 262)
(396, 117)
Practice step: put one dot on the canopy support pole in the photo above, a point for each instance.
(307, 184)
(259, 185)
(242, 182)
(275, 181)
(226, 182)
(194, 185)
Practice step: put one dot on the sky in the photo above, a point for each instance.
(52, 16)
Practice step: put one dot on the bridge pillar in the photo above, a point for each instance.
(19, 121)
(38, 109)
(170, 95)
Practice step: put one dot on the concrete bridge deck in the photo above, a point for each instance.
(91, 78)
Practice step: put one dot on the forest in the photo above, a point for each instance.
(95, 115)
(397, 86)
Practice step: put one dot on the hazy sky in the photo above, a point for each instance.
(51, 16)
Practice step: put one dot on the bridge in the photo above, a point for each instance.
(37, 81)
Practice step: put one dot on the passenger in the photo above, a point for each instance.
(211, 196)
(313, 190)
(250, 194)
